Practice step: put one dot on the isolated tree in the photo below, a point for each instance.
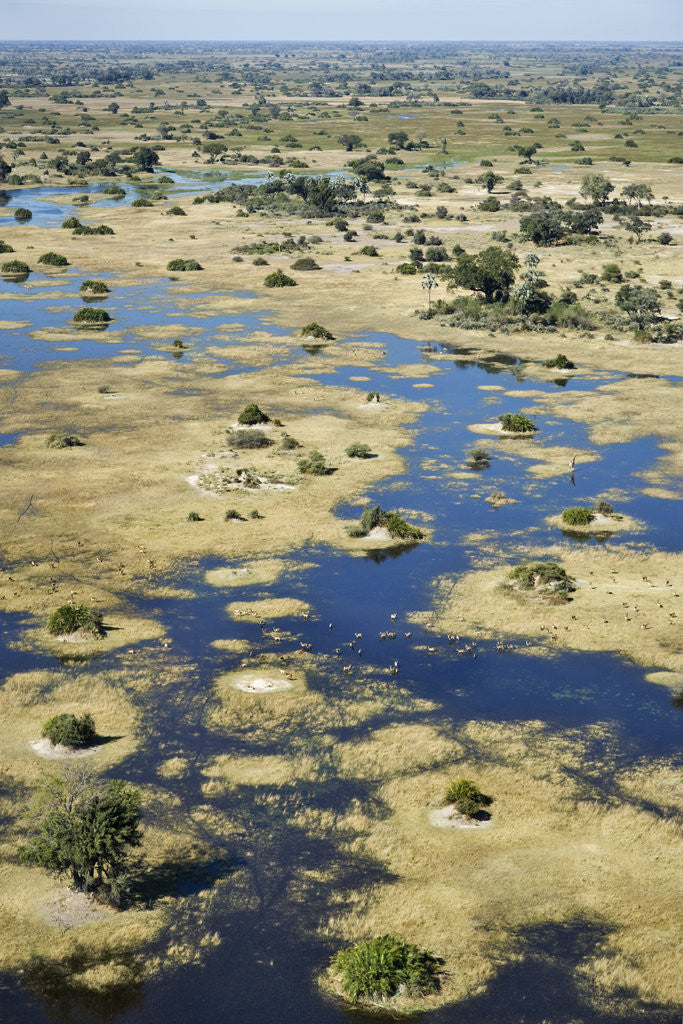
(527, 152)
(637, 226)
(597, 188)
(429, 281)
(350, 141)
(638, 192)
(85, 827)
(214, 149)
(113, 108)
(4, 98)
(641, 304)
(5, 169)
(145, 158)
(490, 271)
(397, 139)
(489, 179)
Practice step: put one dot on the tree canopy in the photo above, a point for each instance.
(490, 271)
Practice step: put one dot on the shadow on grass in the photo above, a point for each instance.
(543, 988)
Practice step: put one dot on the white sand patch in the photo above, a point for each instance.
(264, 684)
(72, 909)
(449, 817)
(56, 751)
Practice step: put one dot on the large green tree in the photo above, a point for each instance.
(492, 272)
(86, 827)
(145, 158)
(597, 188)
(641, 304)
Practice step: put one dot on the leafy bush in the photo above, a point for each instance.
(372, 396)
(260, 262)
(314, 330)
(278, 279)
(665, 238)
(480, 457)
(358, 450)
(394, 523)
(577, 516)
(548, 576)
(250, 439)
(68, 731)
(305, 263)
(406, 268)
(71, 222)
(63, 441)
(517, 423)
(180, 264)
(314, 464)
(99, 229)
(72, 617)
(369, 250)
(232, 514)
(381, 967)
(251, 415)
(288, 443)
(177, 211)
(5, 247)
(560, 362)
(603, 508)
(53, 259)
(490, 205)
(466, 796)
(91, 315)
(612, 272)
(22, 214)
(194, 517)
(15, 267)
(95, 287)
(141, 202)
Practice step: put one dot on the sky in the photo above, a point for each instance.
(347, 20)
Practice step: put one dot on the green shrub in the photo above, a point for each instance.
(278, 279)
(466, 796)
(612, 272)
(251, 415)
(480, 456)
(95, 287)
(91, 315)
(260, 262)
(15, 267)
(577, 516)
(358, 450)
(63, 441)
(560, 362)
(382, 967)
(393, 522)
(70, 618)
(115, 191)
(71, 222)
(314, 330)
(22, 214)
(68, 731)
(314, 464)
(288, 443)
(369, 250)
(53, 259)
(305, 263)
(372, 396)
(603, 508)
(194, 517)
(99, 229)
(232, 514)
(5, 247)
(490, 205)
(177, 211)
(406, 268)
(546, 576)
(664, 238)
(179, 264)
(250, 439)
(138, 203)
(516, 423)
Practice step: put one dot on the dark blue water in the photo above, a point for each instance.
(263, 971)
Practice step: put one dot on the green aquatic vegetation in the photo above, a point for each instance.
(69, 618)
(381, 968)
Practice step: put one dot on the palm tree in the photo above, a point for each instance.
(429, 281)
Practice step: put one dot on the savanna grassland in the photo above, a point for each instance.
(499, 205)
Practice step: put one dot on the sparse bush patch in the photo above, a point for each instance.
(315, 330)
(248, 439)
(560, 362)
(95, 287)
(183, 265)
(15, 268)
(63, 441)
(314, 464)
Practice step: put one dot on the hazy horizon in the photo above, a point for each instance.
(306, 21)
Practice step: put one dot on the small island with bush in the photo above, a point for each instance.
(386, 972)
(547, 580)
(378, 524)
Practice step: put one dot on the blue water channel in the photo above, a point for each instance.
(263, 971)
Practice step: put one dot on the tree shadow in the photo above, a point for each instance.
(544, 987)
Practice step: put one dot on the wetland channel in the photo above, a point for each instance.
(263, 972)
